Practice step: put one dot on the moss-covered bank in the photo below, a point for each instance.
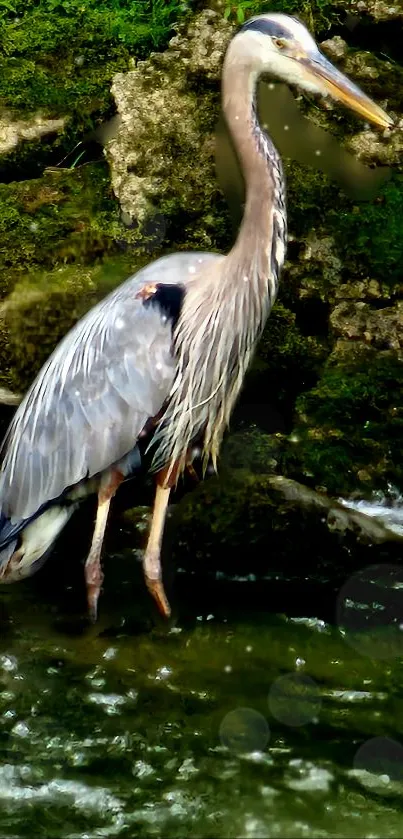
(329, 362)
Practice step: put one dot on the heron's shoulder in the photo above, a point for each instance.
(173, 269)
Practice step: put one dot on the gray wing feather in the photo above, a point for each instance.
(90, 401)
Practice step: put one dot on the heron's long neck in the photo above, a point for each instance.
(226, 306)
(260, 245)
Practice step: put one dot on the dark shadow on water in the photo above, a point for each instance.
(249, 594)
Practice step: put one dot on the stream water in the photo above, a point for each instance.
(230, 721)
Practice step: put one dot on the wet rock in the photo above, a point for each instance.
(379, 10)
(162, 159)
(384, 151)
(381, 328)
(319, 253)
(13, 131)
(338, 517)
(7, 397)
(244, 523)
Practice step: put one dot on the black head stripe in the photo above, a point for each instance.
(266, 27)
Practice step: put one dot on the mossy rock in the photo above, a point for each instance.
(63, 246)
(369, 235)
(59, 57)
(288, 360)
(65, 216)
(259, 525)
(252, 450)
(373, 10)
(350, 428)
(162, 158)
(319, 15)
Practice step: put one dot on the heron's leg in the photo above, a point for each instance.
(166, 479)
(152, 557)
(93, 572)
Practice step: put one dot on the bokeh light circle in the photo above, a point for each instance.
(378, 765)
(369, 611)
(294, 699)
(244, 730)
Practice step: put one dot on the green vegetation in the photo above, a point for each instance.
(351, 424)
(251, 450)
(58, 57)
(317, 13)
(368, 234)
(371, 233)
(65, 216)
(62, 248)
(288, 360)
(311, 197)
(44, 306)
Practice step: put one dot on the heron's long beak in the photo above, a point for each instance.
(332, 82)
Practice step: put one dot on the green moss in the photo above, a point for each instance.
(349, 427)
(252, 450)
(62, 248)
(38, 313)
(287, 361)
(59, 57)
(311, 197)
(351, 424)
(66, 216)
(370, 234)
(230, 509)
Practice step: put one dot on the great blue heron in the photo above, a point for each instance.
(164, 355)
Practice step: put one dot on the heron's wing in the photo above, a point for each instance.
(90, 401)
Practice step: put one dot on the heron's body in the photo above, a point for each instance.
(125, 377)
(165, 354)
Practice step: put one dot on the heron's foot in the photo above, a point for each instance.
(94, 579)
(153, 578)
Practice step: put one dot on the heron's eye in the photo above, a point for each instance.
(281, 43)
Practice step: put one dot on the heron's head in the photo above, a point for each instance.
(285, 49)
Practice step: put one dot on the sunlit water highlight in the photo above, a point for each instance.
(388, 508)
